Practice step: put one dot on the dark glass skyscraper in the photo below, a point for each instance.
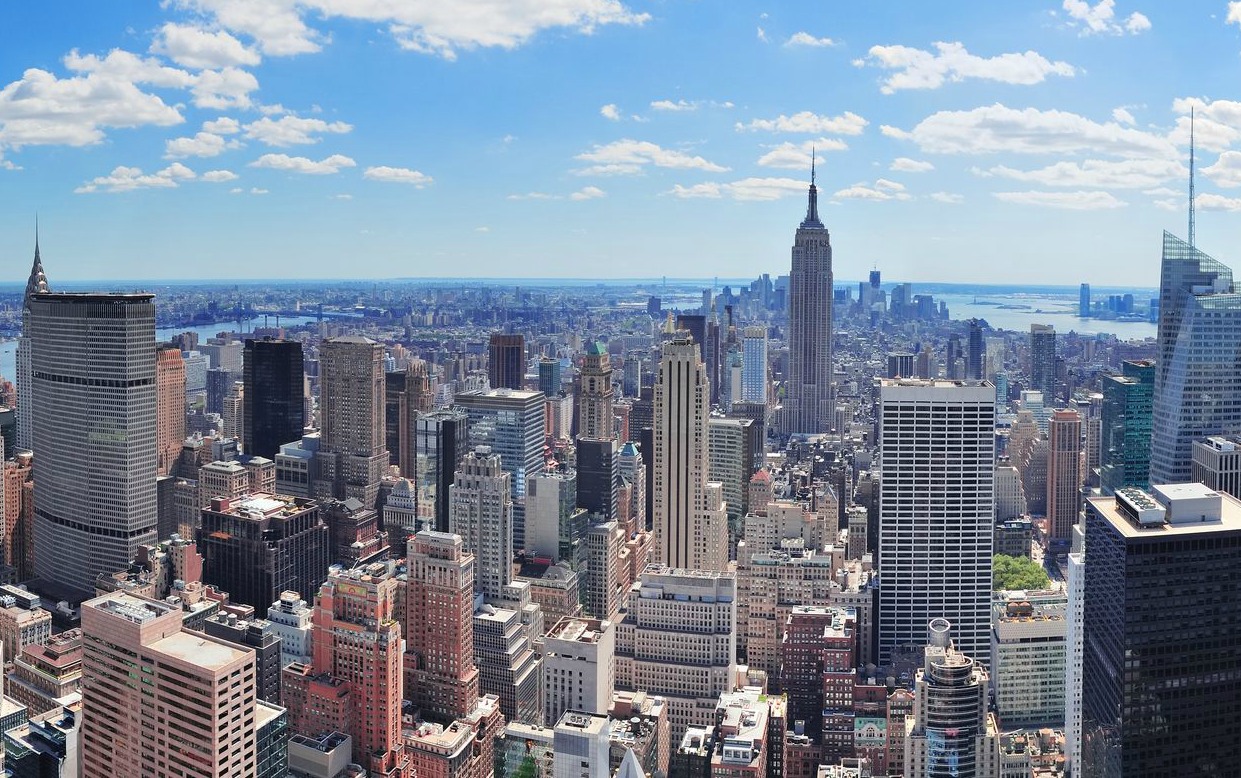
(1125, 442)
(273, 403)
(506, 366)
(1043, 361)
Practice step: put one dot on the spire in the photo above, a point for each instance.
(1191, 176)
(812, 207)
(38, 279)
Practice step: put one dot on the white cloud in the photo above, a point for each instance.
(1161, 191)
(1234, 13)
(806, 39)
(882, 190)
(626, 157)
(588, 193)
(292, 130)
(1096, 173)
(1227, 169)
(482, 229)
(224, 125)
(279, 27)
(223, 89)
(611, 112)
(1100, 18)
(328, 166)
(203, 144)
(1122, 116)
(796, 156)
(1217, 123)
(1000, 129)
(127, 179)
(199, 49)
(399, 175)
(847, 123)
(919, 69)
(907, 165)
(746, 189)
(1079, 201)
(254, 190)
(7, 165)
(762, 35)
(1214, 202)
(219, 176)
(679, 105)
(949, 198)
(533, 196)
(342, 197)
(1169, 205)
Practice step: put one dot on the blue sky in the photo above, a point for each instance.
(1042, 142)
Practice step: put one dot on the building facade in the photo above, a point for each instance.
(809, 406)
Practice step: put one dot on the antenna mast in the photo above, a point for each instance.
(1191, 176)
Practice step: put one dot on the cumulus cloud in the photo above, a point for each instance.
(203, 144)
(1122, 116)
(679, 105)
(626, 157)
(399, 175)
(200, 49)
(880, 191)
(806, 39)
(588, 193)
(224, 125)
(327, 166)
(1100, 18)
(762, 35)
(1214, 202)
(1227, 169)
(280, 28)
(847, 123)
(746, 189)
(1217, 123)
(1096, 173)
(610, 112)
(796, 156)
(949, 198)
(920, 69)
(907, 165)
(292, 130)
(1078, 201)
(219, 176)
(127, 179)
(1000, 129)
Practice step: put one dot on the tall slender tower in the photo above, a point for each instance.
(36, 283)
(754, 365)
(595, 404)
(481, 512)
(169, 406)
(688, 535)
(273, 405)
(1043, 360)
(351, 405)
(808, 405)
(1064, 474)
(92, 360)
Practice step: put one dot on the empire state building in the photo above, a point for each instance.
(809, 400)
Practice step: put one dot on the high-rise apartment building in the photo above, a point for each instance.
(93, 405)
(809, 402)
(754, 365)
(506, 360)
(595, 416)
(1064, 474)
(355, 683)
(36, 283)
(1125, 437)
(1197, 391)
(161, 701)
(169, 406)
(409, 396)
(481, 512)
(678, 634)
(441, 439)
(257, 546)
(687, 534)
(976, 353)
(936, 511)
(1043, 360)
(510, 422)
(351, 408)
(273, 404)
(440, 676)
(733, 455)
(1162, 632)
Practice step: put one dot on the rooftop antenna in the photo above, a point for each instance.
(811, 165)
(1191, 176)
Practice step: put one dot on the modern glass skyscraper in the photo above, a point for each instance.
(273, 402)
(441, 441)
(92, 397)
(1125, 444)
(754, 365)
(808, 401)
(1043, 360)
(506, 366)
(1197, 380)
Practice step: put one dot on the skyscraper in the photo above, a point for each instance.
(1125, 441)
(506, 366)
(169, 406)
(754, 365)
(1162, 632)
(351, 407)
(936, 511)
(1064, 474)
(441, 440)
(595, 417)
(273, 404)
(25, 383)
(549, 376)
(93, 410)
(1197, 386)
(1083, 301)
(976, 353)
(408, 396)
(481, 512)
(1043, 360)
(687, 534)
(808, 404)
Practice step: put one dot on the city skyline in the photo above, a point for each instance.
(1047, 134)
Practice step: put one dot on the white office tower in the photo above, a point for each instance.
(688, 534)
(579, 667)
(809, 407)
(481, 512)
(92, 397)
(677, 636)
(951, 734)
(936, 511)
(754, 365)
(1074, 645)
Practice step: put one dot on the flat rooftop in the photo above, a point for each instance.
(199, 650)
(1229, 521)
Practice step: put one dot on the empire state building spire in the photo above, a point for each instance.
(812, 207)
(809, 402)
